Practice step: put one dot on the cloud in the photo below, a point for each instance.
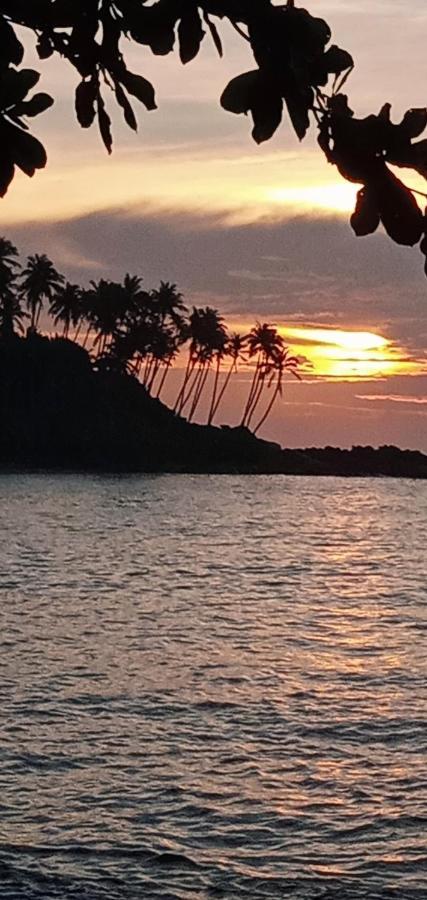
(393, 398)
(312, 270)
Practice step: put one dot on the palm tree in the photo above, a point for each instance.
(168, 304)
(164, 317)
(207, 335)
(11, 312)
(40, 281)
(235, 348)
(264, 343)
(118, 356)
(8, 254)
(66, 306)
(107, 305)
(282, 362)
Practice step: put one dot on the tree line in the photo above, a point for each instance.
(128, 330)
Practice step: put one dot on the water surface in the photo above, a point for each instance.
(212, 686)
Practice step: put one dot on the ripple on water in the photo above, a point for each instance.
(212, 686)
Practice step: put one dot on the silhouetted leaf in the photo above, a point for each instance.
(214, 33)
(267, 116)
(104, 123)
(366, 216)
(253, 91)
(414, 122)
(7, 171)
(399, 211)
(140, 88)
(337, 60)
(190, 34)
(153, 26)
(11, 49)
(85, 98)
(16, 84)
(44, 46)
(128, 112)
(299, 102)
(25, 150)
(237, 97)
(38, 104)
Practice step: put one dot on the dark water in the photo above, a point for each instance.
(212, 687)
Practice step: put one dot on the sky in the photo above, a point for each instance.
(259, 232)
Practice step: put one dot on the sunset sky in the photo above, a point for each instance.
(258, 232)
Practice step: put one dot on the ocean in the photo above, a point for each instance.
(212, 687)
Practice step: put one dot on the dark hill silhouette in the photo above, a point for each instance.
(57, 412)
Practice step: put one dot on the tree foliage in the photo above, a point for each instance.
(297, 69)
(128, 330)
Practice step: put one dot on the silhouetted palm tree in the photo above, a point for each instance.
(107, 307)
(66, 306)
(235, 349)
(264, 343)
(282, 363)
(11, 313)
(168, 304)
(40, 281)
(207, 335)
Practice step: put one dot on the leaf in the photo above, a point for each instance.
(337, 60)
(267, 116)
(38, 104)
(7, 171)
(414, 122)
(366, 217)
(25, 150)
(128, 113)
(255, 92)
(11, 49)
(238, 95)
(16, 84)
(140, 88)
(85, 97)
(44, 46)
(299, 103)
(104, 123)
(414, 156)
(399, 211)
(214, 33)
(190, 34)
(153, 26)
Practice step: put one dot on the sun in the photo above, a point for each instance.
(348, 355)
(337, 197)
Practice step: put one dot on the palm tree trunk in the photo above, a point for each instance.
(87, 335)
(193, 384)
(188, 372)
(255, 400)
(199, 392)
(154, 375)
(253, 388)
(214, 391)
(147, 370)
(37, 316)
(269, 407)
(163, 378)
(223, 390)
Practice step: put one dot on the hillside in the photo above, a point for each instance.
(58, 413)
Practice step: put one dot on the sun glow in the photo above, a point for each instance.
(336, 196)
(348, 355)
